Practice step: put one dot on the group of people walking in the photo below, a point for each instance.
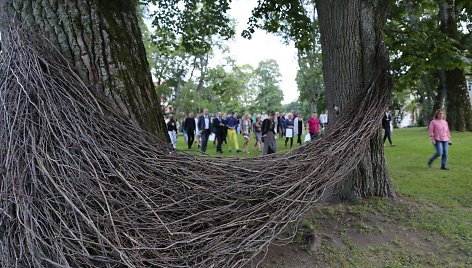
(221, 130)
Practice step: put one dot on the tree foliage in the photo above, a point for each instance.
(190, 23)
(287, 18)
(269, 95)
(421, 52)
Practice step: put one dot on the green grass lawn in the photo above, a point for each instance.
(428, 225)
(411, 176)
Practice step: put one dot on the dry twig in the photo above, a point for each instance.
(83, 187)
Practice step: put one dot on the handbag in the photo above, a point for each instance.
(307, 137)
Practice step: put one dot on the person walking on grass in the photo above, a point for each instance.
(289, 130)
(386, 125)
(232, 124)
(172, 130)
(298, 128)
(269, 130)
(190, 128)
(246, 131)
(440, 137)
(313, 126)
(204, 122)
(257, 128)
(324, 120)
(219, 126)
(197, 131)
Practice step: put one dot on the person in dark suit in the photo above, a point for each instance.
(219, 126)
(386, 120)
(269, 128)
(189, 124)
(204, 122)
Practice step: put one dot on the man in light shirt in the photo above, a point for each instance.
(324, 119)
(204, 128)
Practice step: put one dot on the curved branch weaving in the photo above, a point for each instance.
(83, 187)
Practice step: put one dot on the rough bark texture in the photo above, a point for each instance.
(459, 114)
(350, 34)
(102, 40)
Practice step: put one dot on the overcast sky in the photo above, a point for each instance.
(263, 46)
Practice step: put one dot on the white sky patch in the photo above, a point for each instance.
(263, 46)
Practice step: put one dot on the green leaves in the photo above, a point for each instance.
(270, 95)
(288, 18)
(190, 24)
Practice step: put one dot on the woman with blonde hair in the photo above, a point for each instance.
(245, 131)
(440, 137)
(298, 127)
(289, 130)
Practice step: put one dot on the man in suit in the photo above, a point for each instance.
(189, 124)
(205, 130)
(386, 121)
(219, 125)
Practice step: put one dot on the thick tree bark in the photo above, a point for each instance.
(103, 41)
(350, 35)
(459, 113)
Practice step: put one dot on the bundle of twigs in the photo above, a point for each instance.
(82, 187)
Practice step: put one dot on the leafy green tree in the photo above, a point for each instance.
(297, 22)
(181, 47)
(269, 94)
(428, 60)
(226, 88)
(298, 106)
(458, 102)
(349, 31)
(310, 80)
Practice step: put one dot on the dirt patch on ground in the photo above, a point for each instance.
(343, 237)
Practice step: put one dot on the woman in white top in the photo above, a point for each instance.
(197, 132)
(298, 127)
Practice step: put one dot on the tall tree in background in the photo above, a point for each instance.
(269, 95)
(458, 102)
(351, 34)
(310, 74)
(427, 48)
(103, 41)
(296, 22)
(184, 36)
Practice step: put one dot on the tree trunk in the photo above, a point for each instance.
(459, 114)
(440, 100)
(103, 41)
(350, 35)
(314, 105)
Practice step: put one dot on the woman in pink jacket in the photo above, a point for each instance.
(440, 137)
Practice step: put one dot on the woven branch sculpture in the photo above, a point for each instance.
(83, 187)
